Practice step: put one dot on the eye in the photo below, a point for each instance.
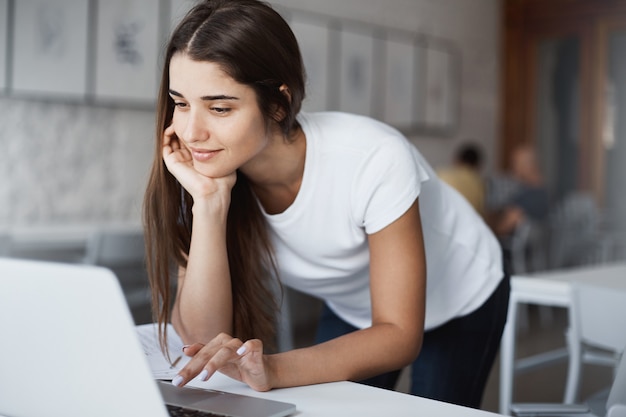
(180, 104)
(220, 110)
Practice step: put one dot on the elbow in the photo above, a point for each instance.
(414, 346)
(186, 334)
(405, 356)
(414, 333)
(178, 326)
(191, 333)
(417, 348)
(409, 347)
(405, 341)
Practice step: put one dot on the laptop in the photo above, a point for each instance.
(69, 348)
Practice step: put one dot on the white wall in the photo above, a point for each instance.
(473, 25)
(64, 162)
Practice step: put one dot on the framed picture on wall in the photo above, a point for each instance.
(127, 51)
(440, 89)
(419, 86)
(399, 82)
(356, 73)
(4, 33)
(50, 48)
(313, 38)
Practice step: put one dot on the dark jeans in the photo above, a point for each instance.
(456, 357)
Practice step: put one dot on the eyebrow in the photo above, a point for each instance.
(206, 98)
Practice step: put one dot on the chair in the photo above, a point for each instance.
(615, 404)
(527, 248)
(597, 335)
(122, 250)
(577, 234)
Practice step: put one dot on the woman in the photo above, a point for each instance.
(245, 189)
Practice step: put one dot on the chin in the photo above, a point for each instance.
(209, 171)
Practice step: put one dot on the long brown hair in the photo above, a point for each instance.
(254, 45)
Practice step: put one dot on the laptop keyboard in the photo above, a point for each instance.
(175, 411)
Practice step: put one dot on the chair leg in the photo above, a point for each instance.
(574, 368)
(507, 358)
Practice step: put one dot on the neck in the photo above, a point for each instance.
(277, 175)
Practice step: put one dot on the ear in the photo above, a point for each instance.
(279, 113)
(285, 90)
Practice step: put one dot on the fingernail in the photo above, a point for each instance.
(177, 380)
(241, 350)
(185, 348)
(204, 375)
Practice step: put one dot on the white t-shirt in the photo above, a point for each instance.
(361, 175)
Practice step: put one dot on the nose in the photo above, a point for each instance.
(196, 128)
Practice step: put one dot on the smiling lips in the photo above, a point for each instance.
(203, 155)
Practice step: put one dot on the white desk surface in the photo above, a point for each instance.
(327, 400)
(343, 399)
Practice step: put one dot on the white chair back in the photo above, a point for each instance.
(601, 320)
(597, 321)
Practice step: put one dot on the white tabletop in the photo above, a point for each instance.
(553, 288)
(606, 275)
(328, 400)
(343, 399)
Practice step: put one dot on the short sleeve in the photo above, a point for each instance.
(387, 183)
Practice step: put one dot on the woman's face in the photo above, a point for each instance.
(215, 117)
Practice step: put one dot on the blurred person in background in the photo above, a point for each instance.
(518, 196)
(465, 176)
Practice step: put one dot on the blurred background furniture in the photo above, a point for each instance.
(575, 232)
(527, 247)
(122, 250)
(579, 232)
(549, 288)
(615, 405)
(597, 333)
(56, 243)
(117, 246)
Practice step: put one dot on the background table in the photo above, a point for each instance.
(549, 288)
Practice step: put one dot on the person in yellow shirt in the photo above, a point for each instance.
(464, 175)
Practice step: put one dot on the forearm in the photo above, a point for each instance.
(362, 354)
(397, 287)
(203, 306)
